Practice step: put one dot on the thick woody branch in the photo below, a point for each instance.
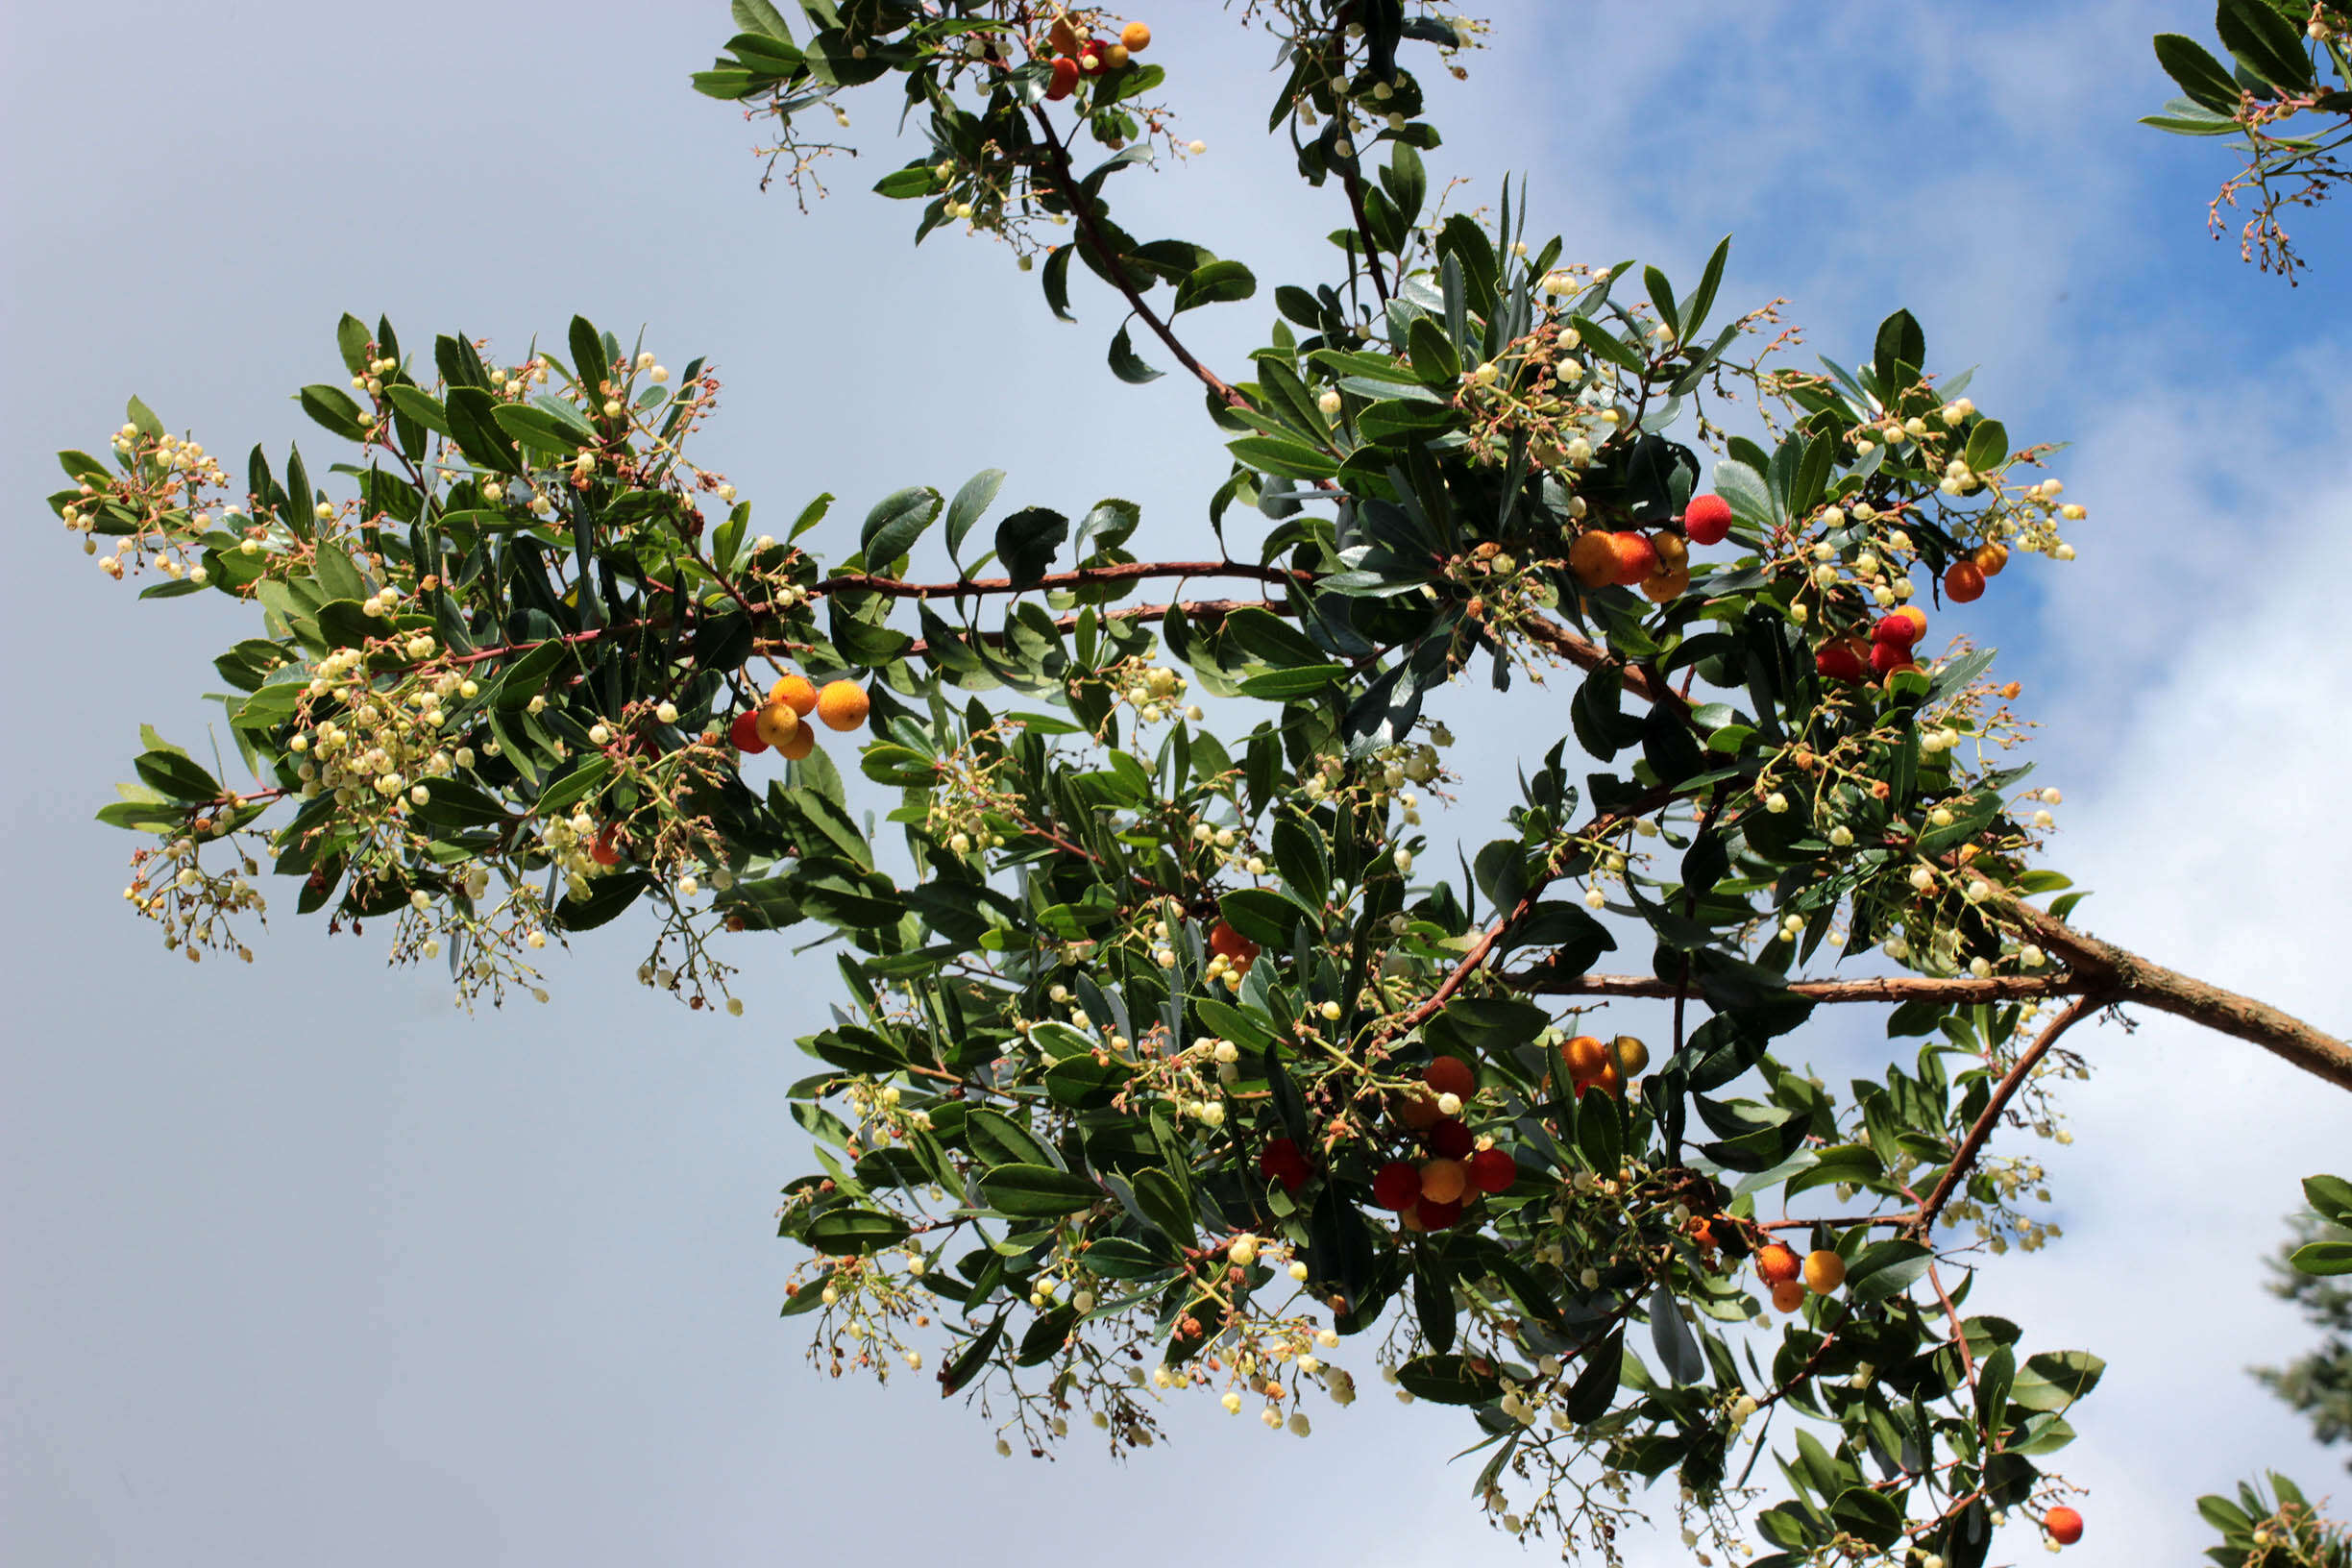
(1893, 989)
(1199, 609)
(2131, 978)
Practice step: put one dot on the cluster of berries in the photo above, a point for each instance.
(1429, 1194)
(777, 723)
(1074, 57)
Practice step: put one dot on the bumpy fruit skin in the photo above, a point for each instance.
(1901, 627)
(1673, 550)
(1631, 1054)
(1963, 581)
(1430, 1215)
(606, 851)
(1397, 1186)
(1823, 1271)
(742, 732)
(1788, 1295)
(1888, 657)
(1593, 558)
(1419, 1110)
(796, 690)
(1990, 558)
(1450, 1075)
(1492, 1170)
(1062, 37)
(842, 705)
(1064, 80)
(799, 743)
(2063, 1524)
(1608, 1081)
(778, 722)
(1444, 1181)
(1659, 587)
(1777, 1264)
(1451, 1139)
(1839, 661)
(1585, 1056)
(1136, 37)
(1635, 558)
(1708, 520)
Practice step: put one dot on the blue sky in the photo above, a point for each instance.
(301, 1268)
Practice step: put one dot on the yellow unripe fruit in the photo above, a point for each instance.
(1632, 1056)
(777, 724)
(1136, 37)
(1823, 1271)
(842, 705)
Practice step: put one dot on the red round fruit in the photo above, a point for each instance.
(1888, 657)
(1065, 78)
(1451, 1140)
(1902, 627)
(2063, 1524)
(1964, 580)
(1280, 1161)
(743, 731)
(1398, 1186)
(1491, 1170)
(1839, 661)
(1707, 518)
(606, 850)
(1450, 1075)
(1436, 1217)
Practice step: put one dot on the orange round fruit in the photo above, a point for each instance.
(1658, 587)
(778, 722)
(1788, 1295)
(1608, 1081)
(743, 730)
(797, 690)
(1418, 1110)
(1136, 37)
(1963, 581)
(1636, 558)
(1062, 37)
(1673, 550)
(799, 743)
(842, 705)
(1593, 558)
(1777, 1264)
(1444, 1181)
(1585, 1056)
(1823, 1271)
(1990, 558)
(2063, 1524)
(1451, 1075)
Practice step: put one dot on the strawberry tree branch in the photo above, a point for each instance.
(1971, 1146)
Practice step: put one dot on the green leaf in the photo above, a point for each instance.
(2265, 42)
(1026, 542)
(1265, 915)
(1434, 358)
(1988, 446)
(334, 407)
(1215, 284)
(850, 1232)
(1038, 1191)
(1294, 460)
(998, 1140)
(1126, 366)
(761, 17)
(895, 522)
(969, 503)
(1886, 1268)
(2056, 1378)
(588, 361)
(451, 802)
(2323, 1257)
(609, 898)
(474, 428)
(1300, 680)
(2331, 1197)
(1167, 1204)
(1868, 1515)
(1055, 275)
(173, 774)
(1449, 1380)
(1677, 1350)
(420, 405)
(538, 428)
(2203, 78)
(352, 338)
